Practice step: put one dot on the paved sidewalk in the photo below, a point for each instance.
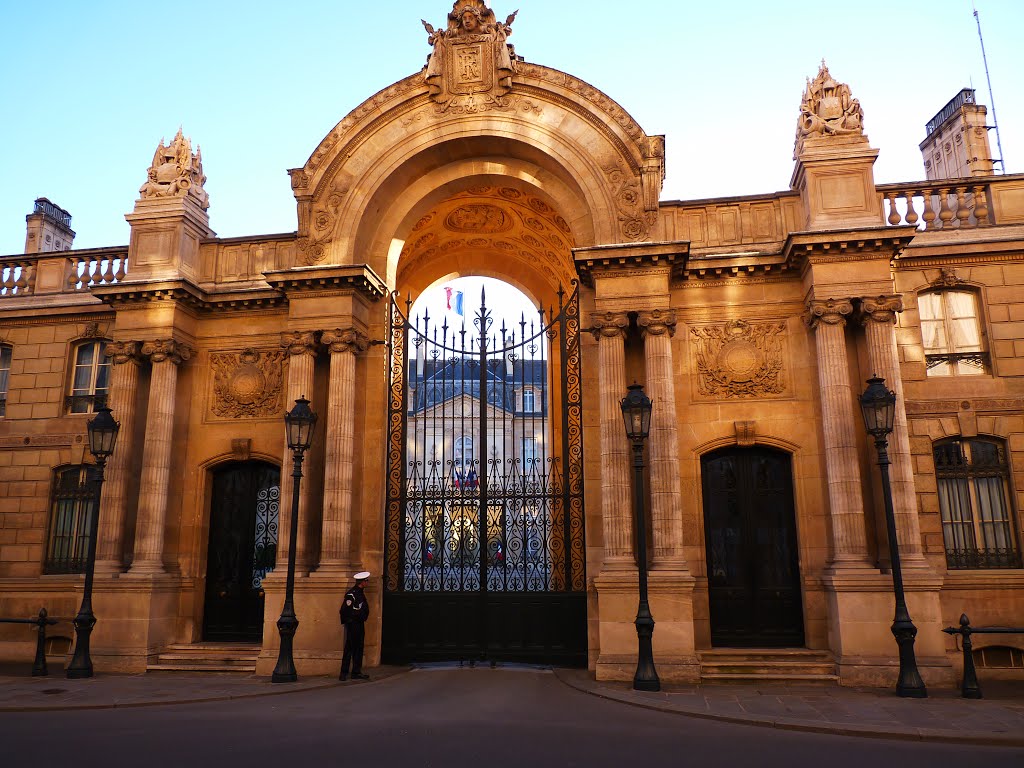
(944, 716)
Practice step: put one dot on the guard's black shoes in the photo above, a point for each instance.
(360, 676)
(343, 677)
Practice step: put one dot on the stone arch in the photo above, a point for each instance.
(382, 168)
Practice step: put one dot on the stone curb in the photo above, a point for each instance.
(809, 726)
(65, 707)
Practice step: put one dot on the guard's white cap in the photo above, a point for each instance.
(361, 575)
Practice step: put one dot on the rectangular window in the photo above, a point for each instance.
(528, 454)
(90, 378)
(977, 524)
(5, 376)
(529, 401)
(71, 511)
(951, 333)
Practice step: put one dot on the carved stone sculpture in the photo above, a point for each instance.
(471, 64)
(247, 384)
(740, 359)
(828, 109)
(176, 172)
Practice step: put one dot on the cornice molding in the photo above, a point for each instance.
(325, 281)
(629, 258)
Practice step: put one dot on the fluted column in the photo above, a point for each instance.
(878, 314)
(165, 356)
(301, 349)
(609, 328)
(658, 327)
(124, 384)
(336, 538)
(842, 463)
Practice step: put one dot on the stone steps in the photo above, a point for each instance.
(764, 665)
(222, 658)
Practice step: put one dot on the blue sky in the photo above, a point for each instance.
(90, 88)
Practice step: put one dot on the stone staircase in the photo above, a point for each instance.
(767, 665)
(220, 658)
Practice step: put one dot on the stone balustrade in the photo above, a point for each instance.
(931, 205)
(61, 271)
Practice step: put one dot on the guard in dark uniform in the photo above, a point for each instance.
(354, 612)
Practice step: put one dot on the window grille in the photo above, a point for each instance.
(5, 376)
(73, 505)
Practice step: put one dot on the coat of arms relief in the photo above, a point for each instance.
(247, 384)
(740, 360)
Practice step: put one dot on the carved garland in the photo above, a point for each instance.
(740, 359)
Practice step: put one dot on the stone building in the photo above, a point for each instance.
(753, 323)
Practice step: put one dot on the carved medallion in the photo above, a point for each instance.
(740, 359)
(478, 218)
(246, 384)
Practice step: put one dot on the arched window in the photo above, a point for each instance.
(952, 333)
(6, 352)
(72, 506)
(90, 378)
(977, 521)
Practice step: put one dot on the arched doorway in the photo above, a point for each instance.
(244, 513)
(752, 556)
(484, 539)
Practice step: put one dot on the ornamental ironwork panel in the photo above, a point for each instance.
(485, 484)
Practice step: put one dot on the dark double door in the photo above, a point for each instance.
(752, 556)
(244, 514)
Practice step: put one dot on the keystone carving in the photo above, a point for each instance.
(247, 384)
(740, 359)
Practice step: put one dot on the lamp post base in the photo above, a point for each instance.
(285, 672)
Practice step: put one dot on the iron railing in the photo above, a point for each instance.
(41, 621)
(970, 689)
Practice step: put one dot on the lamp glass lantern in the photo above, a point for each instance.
(299, 424)
(102, 433)
(636, 413)
(878, 406)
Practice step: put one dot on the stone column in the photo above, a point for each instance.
(165, 356)
(124, 384)
(609, 328)
(336, 538)
(658, 327)
(842, 461)
(878, 314)
(301, 349)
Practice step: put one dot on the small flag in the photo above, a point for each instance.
(448, 296)
(459, 309)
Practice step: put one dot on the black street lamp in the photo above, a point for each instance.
(636, 413)
(299, 424)
(102, 438)
(878, 405)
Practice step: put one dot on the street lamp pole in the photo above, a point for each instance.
(878, 405)
(299, 424)
(102, 437)
(636, 413)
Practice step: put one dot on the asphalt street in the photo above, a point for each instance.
(486, 718)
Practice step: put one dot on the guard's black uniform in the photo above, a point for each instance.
(354, 612)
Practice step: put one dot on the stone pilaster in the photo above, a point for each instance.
(658, 327)
(842, 463)
(609, 328)
(336, 538)
(165, 356)
(124, 384)
(878, 314)
(301, 349)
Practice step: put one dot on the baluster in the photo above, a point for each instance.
(912, 217)
(102, 271)
(981, 207)
(122, 269)
(929, 209)
(73, 279)
(26, 280)
(945, 214)
(6, 273)
(963, 213)
(894, 214)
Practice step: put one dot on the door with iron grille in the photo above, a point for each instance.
(752, 557)
(484, 549)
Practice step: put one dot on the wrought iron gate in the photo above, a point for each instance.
(484, 544)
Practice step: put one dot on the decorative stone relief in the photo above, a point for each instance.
(740, 359)
(948, 278)
(246, 384)
(828, 109)
(176, 172)
(745, 433)
(241, 448)
(93, 330)
(634, 222)
(318, 227)
(164, 350)
(471, 64)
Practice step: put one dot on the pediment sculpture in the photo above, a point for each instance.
(828, 108)
(176, 172)
(472, 63)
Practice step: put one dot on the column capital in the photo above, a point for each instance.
(609, 325)
(828, 311)
(121, 352)
(345, 340)
(657, 322)
(880, 309)
(299, 342)
(166, 350)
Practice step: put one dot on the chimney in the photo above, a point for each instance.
(956, 145)
(48, 228)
